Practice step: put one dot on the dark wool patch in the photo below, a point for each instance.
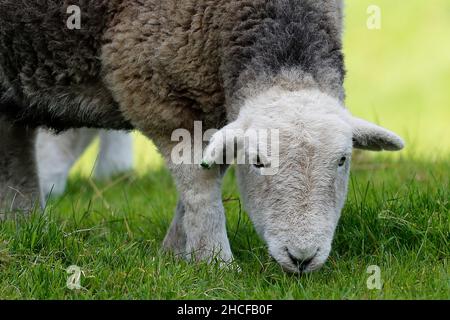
(275, 34)
(42, 61)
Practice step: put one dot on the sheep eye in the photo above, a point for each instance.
(342, 161)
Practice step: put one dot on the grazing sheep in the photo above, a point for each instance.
(158, 66)
(56, 154)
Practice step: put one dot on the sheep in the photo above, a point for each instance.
(56, 154)
(158, 66)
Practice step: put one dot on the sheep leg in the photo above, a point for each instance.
(56, 154)
(203, 222)
(175, 240)
(116, 154)
(19, 187)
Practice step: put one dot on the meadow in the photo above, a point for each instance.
(396, 217)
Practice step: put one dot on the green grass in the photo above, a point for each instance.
(396, 217)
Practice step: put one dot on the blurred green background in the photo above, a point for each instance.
(398, 76)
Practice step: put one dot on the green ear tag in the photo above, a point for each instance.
(205, 165)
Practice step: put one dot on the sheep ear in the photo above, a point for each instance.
(222, 146)
(369, 136)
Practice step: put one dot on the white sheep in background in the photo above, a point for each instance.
(57, 153)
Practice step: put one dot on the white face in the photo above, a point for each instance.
(296, 211)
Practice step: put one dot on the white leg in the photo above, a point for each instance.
(56, 154)
(175, 240)
(198, 230)
(204, 217)
(116, 154)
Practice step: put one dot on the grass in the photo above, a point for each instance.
(396, 216)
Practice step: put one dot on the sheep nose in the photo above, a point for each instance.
(302, 261)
